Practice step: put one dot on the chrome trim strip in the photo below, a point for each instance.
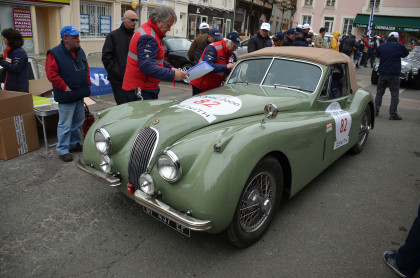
(170, 213)
(98, 175)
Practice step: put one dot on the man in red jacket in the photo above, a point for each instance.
(146, 66)
(217, 55)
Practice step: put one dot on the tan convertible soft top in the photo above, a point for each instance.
(318, 55)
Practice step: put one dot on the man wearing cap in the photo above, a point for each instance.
(390, 54)
(218, 55)
(278, 39)
(214, 36)
(204, 31)
(146, 66)
(289, 39)
(261, 39)
(114, 55)
(305, 32)
(68, 71)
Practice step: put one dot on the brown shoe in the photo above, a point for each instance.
(66, 157)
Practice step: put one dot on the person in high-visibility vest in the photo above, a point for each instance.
(218, 55)
(146, 66)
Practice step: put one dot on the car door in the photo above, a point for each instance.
(334, 100)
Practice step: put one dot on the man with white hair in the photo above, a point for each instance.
(146, 65)
(390, 54)
(261, 39)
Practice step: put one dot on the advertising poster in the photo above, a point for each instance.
(22, 21)
(84, 23)
(105, 24)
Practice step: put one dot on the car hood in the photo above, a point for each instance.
(175, 119)
(407, 64)
(180, 53)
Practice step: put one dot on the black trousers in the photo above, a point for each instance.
(122, 96)
(196, 91)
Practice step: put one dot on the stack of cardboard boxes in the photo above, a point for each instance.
(18, 131)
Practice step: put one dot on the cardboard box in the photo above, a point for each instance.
(18, 135)
(14, 104)
(40, 87)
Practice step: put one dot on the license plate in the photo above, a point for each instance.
(183, 230)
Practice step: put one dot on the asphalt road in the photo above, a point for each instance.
(56, 222)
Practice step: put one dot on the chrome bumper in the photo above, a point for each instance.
(98, 175)
(168, 212)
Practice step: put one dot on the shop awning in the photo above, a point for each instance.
(388, 23)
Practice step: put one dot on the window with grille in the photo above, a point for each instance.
(347, 26)
(307, 19)
(330, 3)
(308, 3)
(329, 24)
(93, 12)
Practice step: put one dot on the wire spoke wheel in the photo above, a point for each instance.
(364, 130)
(257, 204)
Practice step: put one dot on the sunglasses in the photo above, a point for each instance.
(133, 19)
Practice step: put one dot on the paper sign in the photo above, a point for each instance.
(199, 70)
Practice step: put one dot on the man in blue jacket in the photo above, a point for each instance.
(68, 71)
(390, 54)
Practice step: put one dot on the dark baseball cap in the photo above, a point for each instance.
(69, 31)
(292, 31)
(278, 36)
(216, 34)
(234, 37)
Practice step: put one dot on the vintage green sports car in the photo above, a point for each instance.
(221, 161)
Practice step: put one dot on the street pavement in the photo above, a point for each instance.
(56, 222)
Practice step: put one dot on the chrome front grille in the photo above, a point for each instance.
(143, 148)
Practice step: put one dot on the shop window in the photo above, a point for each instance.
(93, 19)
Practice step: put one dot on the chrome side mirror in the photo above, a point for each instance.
(270, 111)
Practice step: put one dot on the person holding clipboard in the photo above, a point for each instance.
(218, 55)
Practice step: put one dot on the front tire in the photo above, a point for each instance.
(416, 84)
(365, 127)
(258, 203)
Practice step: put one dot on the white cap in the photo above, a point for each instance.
(306, 26)
(395, 34)
(266, 26)
(299, 26)
(204, 25)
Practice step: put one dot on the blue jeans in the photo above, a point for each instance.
(393, 82)
(71, 118)
(408, 256)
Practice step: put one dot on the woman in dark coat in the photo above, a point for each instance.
(14, 62)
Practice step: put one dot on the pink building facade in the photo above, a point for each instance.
(351, 17)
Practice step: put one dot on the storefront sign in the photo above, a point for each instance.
(84, 23)
(60, 2)
(22, 21)
(105, 23)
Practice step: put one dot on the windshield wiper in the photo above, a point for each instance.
(292, 87)
(240, 82)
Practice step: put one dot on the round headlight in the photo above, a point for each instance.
(415, 71)
(105, 164)
(169, 166)
(102, 141)
(146, 184)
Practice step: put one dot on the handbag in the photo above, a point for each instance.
(89, 119)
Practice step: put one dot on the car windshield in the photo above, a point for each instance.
(178, 44)
(278, 73)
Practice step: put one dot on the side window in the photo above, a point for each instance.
(335, 85)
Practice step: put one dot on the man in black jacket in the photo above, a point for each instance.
(114, 55)
(261, 39)
(348, 44)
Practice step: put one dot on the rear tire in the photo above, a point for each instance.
(258, 203)
(365, 127)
